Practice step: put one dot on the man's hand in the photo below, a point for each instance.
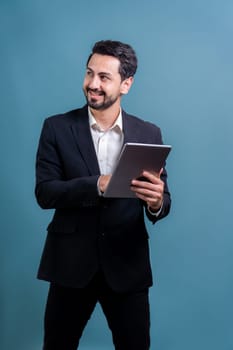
(103, 182)
(150, 189)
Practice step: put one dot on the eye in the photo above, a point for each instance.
(104, 78)
(89, 73)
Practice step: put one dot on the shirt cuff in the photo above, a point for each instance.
(155, 213)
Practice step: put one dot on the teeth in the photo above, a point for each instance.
(99, 93)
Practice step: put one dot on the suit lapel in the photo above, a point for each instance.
(83, 138)
(131, 131)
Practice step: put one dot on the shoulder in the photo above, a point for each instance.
(139, 130)
(67, 117)
(139, 122)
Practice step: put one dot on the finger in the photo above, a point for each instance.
(152, 176)
(161, 171)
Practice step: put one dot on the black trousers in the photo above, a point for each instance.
(69, 309)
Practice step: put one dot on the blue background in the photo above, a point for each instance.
(184, 84)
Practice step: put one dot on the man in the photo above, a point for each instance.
(97, 248)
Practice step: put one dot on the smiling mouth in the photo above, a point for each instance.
(95, 93)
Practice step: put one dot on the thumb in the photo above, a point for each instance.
(160, 172)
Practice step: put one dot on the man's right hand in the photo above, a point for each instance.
(103, 182)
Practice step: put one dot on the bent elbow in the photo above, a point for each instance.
(42, 199)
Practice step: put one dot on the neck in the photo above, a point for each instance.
(106, 118)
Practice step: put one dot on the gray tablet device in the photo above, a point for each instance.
(133, 159)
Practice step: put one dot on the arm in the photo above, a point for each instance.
(153, 191)
(54, 189)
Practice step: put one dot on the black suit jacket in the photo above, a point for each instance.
(89, 232)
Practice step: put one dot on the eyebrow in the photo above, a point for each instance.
(104, 73)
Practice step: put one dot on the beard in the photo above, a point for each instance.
(93, 103)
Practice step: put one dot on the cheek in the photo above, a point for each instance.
(85, 86)
(112, 90)
(85, 83)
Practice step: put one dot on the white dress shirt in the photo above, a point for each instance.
(108, 143)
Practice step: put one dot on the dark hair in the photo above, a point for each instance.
(124, 52)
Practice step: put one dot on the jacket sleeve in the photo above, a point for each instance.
(166, 195)
(53, 188)
(166, 202)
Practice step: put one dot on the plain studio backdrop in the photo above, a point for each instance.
(184, 84)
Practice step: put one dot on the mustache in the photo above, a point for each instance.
(96, 91)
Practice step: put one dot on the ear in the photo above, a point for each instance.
(126, 85)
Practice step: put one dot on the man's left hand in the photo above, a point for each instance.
(150, 189)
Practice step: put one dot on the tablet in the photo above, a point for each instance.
(133, 159)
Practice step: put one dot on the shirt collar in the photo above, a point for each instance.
(117, 125)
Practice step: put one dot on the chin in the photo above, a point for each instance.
(94, 105)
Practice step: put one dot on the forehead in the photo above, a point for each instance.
(104, 63)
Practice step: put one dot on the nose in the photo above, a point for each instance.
(94, 83)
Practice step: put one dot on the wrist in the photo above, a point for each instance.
(154, 211)
(99, 187)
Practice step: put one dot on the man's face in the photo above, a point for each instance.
(102, 84)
